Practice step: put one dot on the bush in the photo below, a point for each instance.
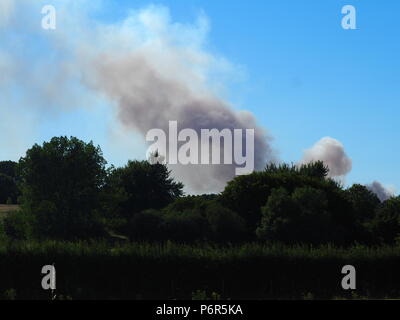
(8, 189)
(386, 224)
(247, 194)
(146, 225)
(185, 227)
(202, 218)
(363, 201)
(225, 224)
(18, 225)
(300, 217)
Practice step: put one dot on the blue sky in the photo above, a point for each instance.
(309, 78)
(304, 77)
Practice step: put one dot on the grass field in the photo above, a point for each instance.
(4, 208)
(100, 270)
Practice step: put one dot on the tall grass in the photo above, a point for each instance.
(98, 270)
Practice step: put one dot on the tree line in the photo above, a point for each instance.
(65, 191)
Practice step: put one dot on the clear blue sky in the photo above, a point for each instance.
(306, 77)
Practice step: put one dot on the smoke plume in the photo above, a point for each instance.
(150, 68)
(332, 153)
(161, 73)
(381, 191)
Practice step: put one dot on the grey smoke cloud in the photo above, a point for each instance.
(163, 75)
(152, 69)
(332, 153)
(382, 192)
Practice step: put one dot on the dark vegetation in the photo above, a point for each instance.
(269, 234)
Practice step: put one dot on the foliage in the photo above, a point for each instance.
(8, 168)
(248, 194)
(205, 218)
(19, 225)
(96, 270)
(386, 224)
(67, 193)
(139, 186)
(8, 189)
(300, 217)
(60, 183)
(364, 202)
(203, 296)
(145, 225)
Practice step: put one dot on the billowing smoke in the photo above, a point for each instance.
(382, 192)
(151, 69)
(332, 153)
(156, 71)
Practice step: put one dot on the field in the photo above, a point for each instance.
(4, 208)
(99, 270)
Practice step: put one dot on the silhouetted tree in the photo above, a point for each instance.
(300, 217)
(8, 168)
(364, 202)
(225, 225)
(248, 193)
(314, 169)
(145, 226)
(141, 185)
(8, 189)
(61, 182)
(386, 224)
(207, 219)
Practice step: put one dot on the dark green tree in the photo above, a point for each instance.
(248, 193)
(8, 189)
(225, 225)
(363, 201)
(279, 216)
(61, 182)
(140, 185)
(386, 224)
(314, 169)
(145, 226)
(207, 219)
(301, 217)
(8, 168)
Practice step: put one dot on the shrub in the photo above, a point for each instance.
(247, 194)
(146, 225)
(18, 225)
(225, 224)
(386, 224)
(8, 189)
(300, 217)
